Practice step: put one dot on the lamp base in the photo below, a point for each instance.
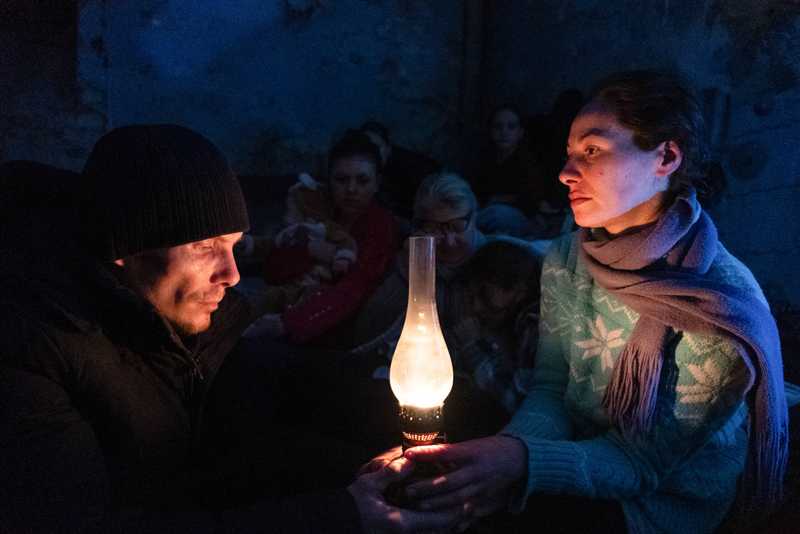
(421, 426)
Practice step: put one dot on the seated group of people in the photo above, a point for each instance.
(633, 375)
(335, 276)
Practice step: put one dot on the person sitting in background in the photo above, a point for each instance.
(402, 170)
(310, 217)
(508, 184)
(486, 355)
(446, 207)
(658, 380)
(492, 310)
(322, 317)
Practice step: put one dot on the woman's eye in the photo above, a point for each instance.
(591, 151)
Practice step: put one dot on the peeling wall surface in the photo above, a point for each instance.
(743, 56)
(273, 83)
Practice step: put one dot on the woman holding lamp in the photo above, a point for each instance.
(658, 382)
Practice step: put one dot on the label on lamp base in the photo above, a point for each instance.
(421, 426)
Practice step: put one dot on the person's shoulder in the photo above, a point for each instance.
(563, 251)
(730, 270)
(562, 267)
(47, 329)
(47, 297)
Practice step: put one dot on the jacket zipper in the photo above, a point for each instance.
(197, 373)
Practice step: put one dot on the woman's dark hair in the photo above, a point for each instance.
(354, 143)
(658, 107)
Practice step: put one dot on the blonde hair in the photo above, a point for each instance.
(446, 188)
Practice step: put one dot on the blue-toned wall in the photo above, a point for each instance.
(42, 112)
(273, 82)
(743, 56)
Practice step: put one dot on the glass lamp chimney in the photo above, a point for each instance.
(421, 373)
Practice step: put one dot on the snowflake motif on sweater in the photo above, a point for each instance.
(680, 477)
(601, 343)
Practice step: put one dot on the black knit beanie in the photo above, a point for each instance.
(155, 186)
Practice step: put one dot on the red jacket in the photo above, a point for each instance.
(376, 236)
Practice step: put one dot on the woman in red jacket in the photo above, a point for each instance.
(353, 180)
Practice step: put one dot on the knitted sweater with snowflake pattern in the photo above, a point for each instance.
(681, 476)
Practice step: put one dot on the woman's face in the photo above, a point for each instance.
(454, 230)
(613, 184)
(353, 183)
(506, 131)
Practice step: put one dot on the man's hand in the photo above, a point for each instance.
(482, 472)
(378, 516)
(381, 461)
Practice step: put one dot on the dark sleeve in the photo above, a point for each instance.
(54, 475)
(331, 512)
(323, 513)
(52, 469)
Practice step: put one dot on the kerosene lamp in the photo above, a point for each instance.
(421, 373)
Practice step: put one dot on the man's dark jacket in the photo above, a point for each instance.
(101, 412)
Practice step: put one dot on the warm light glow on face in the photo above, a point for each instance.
(421, 373)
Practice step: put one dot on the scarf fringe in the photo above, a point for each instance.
(769, 454)
(630, 397)
(686, 239)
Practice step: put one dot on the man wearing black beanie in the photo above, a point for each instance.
(108, 354)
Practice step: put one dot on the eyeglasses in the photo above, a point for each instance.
(453, 226)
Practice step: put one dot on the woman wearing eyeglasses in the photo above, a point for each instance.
(444, 207)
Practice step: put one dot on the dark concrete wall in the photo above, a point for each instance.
(742, 55)
(42, 113)
(274, 82)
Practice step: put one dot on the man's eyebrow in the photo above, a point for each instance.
(600, 132)
(224, 238)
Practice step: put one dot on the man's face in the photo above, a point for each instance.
(185, 283)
